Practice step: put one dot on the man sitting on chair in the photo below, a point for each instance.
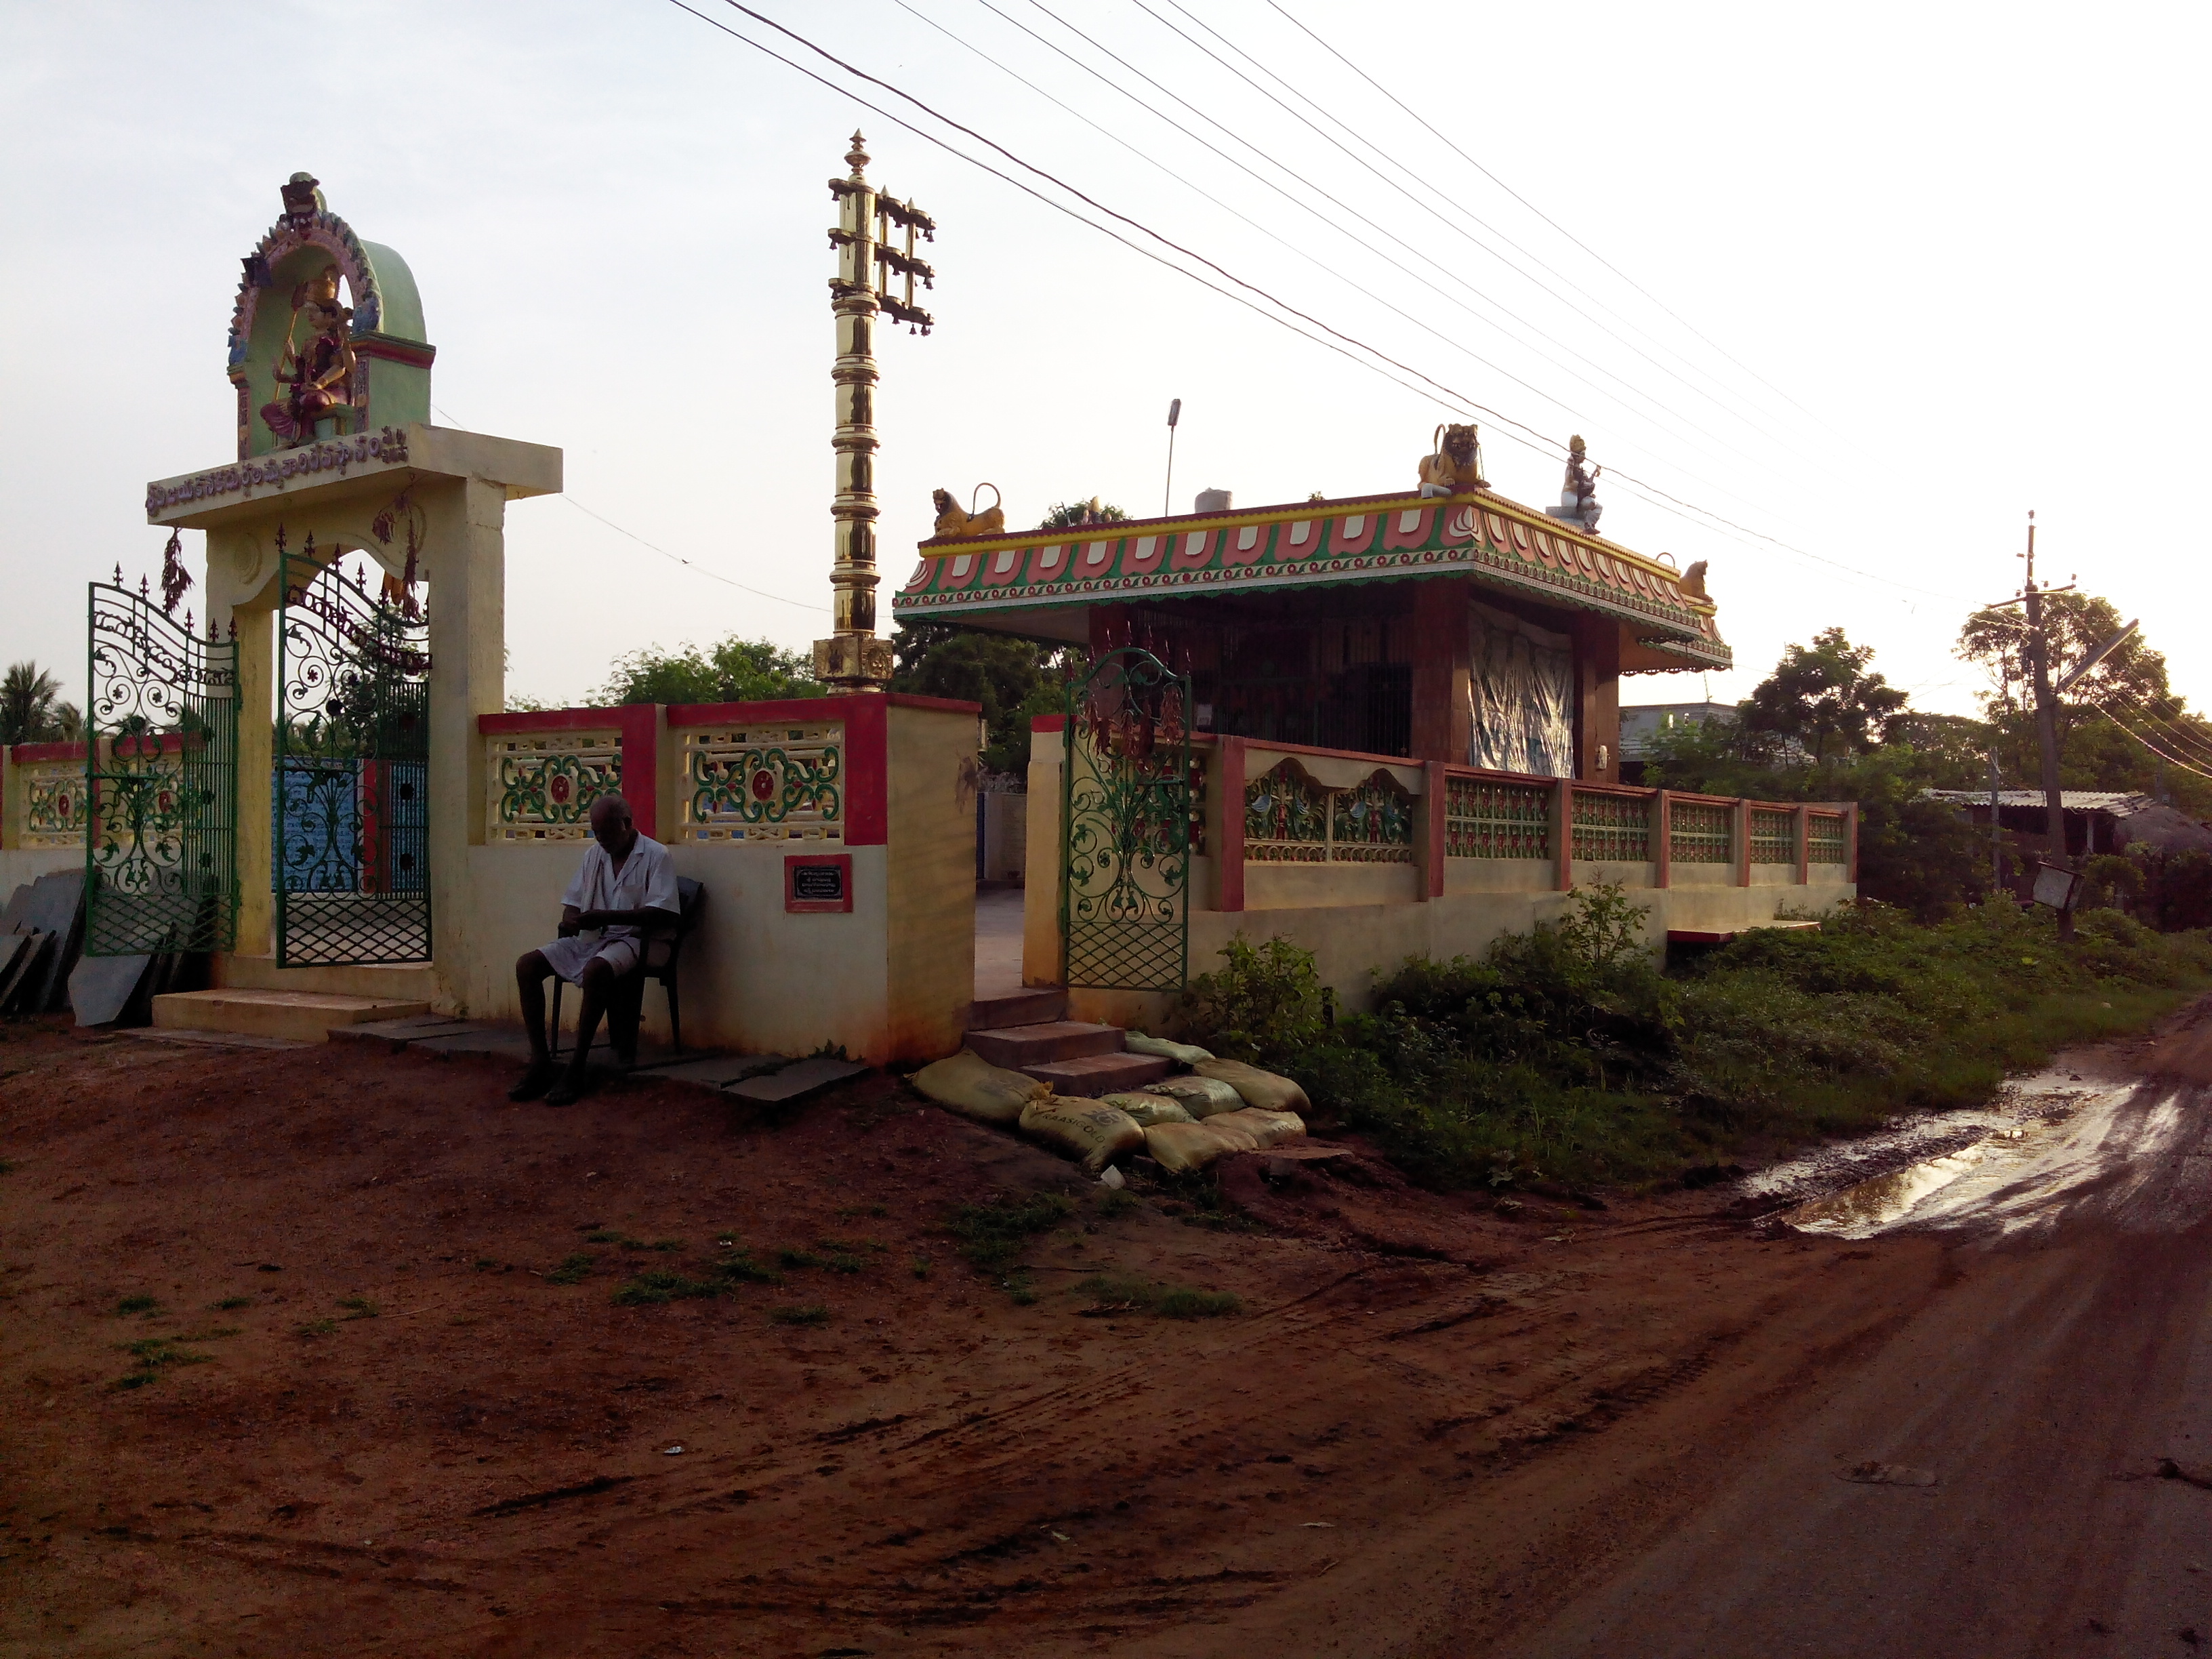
(626, 886)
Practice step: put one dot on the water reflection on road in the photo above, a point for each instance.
(2055, 1150)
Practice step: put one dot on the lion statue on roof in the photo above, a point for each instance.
(953, 525)
(1456, 466)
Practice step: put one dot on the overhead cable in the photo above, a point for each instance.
(1704, 517)
(1429, 205)
(1544, 216)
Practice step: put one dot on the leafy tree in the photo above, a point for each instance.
(1823, 728)
(1014, 679)
(2095, 751)
(1820, 698)
(1067, 515)
(736, 671)
(31, 708)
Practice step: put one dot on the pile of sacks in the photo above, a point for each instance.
(1182, 1123)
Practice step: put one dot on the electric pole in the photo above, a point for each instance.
(867, 263)
(2046, 710)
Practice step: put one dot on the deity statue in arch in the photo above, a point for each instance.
(314, 381)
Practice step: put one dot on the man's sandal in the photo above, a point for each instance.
(567, 1092)
(533, 1082)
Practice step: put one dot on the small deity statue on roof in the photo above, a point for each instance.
(1579, 493)
(1457, 467)
(315, 381)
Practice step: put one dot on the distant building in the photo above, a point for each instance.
(1642, 721)
(2097, 820)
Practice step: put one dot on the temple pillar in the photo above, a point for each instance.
(1442, 664)
(1597, 699)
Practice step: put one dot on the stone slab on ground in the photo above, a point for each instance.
(396, 1034)
(305, 1016)
(11, 946)
(507, 1044)
(25, 964)
(210, 1039)
(100, 988)
(795, 1081)
(720, 1071)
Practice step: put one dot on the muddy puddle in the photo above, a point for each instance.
(2054, 1144)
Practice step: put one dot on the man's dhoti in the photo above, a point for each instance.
(569, 957)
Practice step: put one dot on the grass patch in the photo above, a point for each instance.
(665, 1245)
(230, 1304)
(1134, 1293)
(993, 1235)
(1569, 1054)
(574, 1270)
(792, 1256)
(1117, 1201)
(920, 1267)
(811, 1313)
(155, 1355)
(316, 1327)
(658, 1284)
(137, 1305)
(485, 1264)
(877, 1211)
(360, 1307)
(719, 1277)
(6, 1167)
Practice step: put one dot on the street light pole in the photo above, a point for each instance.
(1167, 496)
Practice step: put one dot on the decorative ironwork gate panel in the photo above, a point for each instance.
(352, 864)
(1126, 823)
(160, 784)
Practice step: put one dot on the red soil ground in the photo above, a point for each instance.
(481, 1467)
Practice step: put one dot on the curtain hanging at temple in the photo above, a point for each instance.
(1520, 693)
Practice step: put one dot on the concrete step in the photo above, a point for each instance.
(1018, 1047)
(1093, 1075)
(302, 1015)
(1023, 1008)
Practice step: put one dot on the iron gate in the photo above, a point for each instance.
(160, 780)
(1126, 826)
(352, 864)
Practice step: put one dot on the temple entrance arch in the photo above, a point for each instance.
(352, 858)
(1126, 826)
(160, 780)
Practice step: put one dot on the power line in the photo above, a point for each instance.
(1527, 254)
(1546, 217)
(688, 564)
(1434, 212)
(1645, 490)
(1380, 229)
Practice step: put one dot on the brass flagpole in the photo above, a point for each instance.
(853, 657)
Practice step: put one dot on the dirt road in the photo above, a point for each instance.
(1432, 1428)
(2021, 1465)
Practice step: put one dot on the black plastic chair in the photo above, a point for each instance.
(663, 949)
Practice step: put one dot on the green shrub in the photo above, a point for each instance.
(1569, 1051)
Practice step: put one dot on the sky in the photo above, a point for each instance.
(1859, 287)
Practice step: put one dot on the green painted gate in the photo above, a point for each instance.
(1126, 826)
(351, 863)
(160, 780)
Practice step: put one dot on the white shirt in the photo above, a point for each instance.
(647, 881)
